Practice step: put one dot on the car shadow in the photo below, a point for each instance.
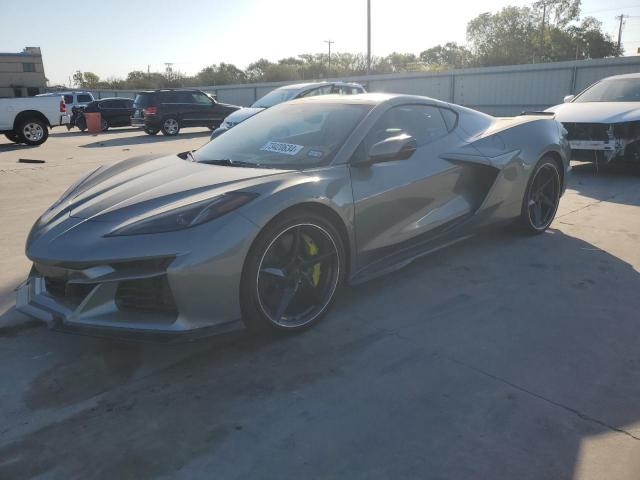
(496, 358)
(77, 133)
(595, 181)
(10, 147)
(144, 138)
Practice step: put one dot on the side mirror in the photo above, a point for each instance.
(568, 98)
(399, 147)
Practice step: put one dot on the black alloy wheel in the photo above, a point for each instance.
(293, 274)
(542, 197)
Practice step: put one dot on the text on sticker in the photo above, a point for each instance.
(279, 147)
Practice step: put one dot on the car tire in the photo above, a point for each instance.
(33, 131)
(104, 125)
(170, 126)
(264, 290)
(542, 196)
(13, 137)
(151, 131)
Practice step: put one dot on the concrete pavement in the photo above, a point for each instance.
(507, 356)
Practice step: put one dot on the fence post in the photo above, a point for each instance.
(255, 93)
(574, 74)
(452, 89)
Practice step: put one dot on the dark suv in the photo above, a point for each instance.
(168, 110)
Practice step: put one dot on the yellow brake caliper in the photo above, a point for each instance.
(312, 250)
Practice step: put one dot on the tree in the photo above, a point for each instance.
(86, 79)
(449, 55)
(503, 38)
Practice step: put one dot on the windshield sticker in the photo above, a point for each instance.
(315, 153)
(285, 148)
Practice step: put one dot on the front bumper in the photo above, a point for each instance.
(145, 288)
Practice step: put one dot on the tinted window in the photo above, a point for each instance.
(274, 97)
(28, 67)
(288, 135)
(143, 100)
(68, 99)
(178, 97)
(450, 118)
(326, 90)
(200, 98)
(83, 98)
(347, 90)
(422, 122)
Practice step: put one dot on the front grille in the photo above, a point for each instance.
(60, 288)
(587, 131)
(151, 294)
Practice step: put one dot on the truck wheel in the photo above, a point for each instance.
(12, 136)
(33, 131)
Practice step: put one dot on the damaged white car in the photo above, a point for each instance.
(603, 121)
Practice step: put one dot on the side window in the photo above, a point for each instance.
(200, 98)
(28, 67)
(326, 90)
(346, 90)
(422, 122)
(68, 99)
(84, 98)
(450, 118)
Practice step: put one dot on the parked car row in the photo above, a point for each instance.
(602, 122)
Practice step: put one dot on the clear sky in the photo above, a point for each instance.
(111, 38)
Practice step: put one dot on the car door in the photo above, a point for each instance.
(108, 110)
(407, 202)
(203, 111)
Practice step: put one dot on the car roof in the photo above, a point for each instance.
(372, 99)
(162, 90)
(55, 94)
(625, 75)
(113, 98)
(306, 86)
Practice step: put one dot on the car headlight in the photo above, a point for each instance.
(186, 217)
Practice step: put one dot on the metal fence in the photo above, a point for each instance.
(504, 90)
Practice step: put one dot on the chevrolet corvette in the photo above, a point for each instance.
(267, 222)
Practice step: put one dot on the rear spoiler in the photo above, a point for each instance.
(534, 113)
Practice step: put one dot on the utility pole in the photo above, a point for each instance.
(544, 18)
(368, 37)
(620, 17)
(329, 42)
(148, 72)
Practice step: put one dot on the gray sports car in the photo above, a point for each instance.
(266, 222)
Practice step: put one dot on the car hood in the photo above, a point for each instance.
(242, 114)
(597, 112)
(135, 186)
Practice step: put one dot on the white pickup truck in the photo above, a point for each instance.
(28, 119)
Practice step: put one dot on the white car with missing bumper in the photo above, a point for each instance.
(603, 121)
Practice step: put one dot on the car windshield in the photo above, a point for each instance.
(275, 97)
(295, 136)
(619, 90)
